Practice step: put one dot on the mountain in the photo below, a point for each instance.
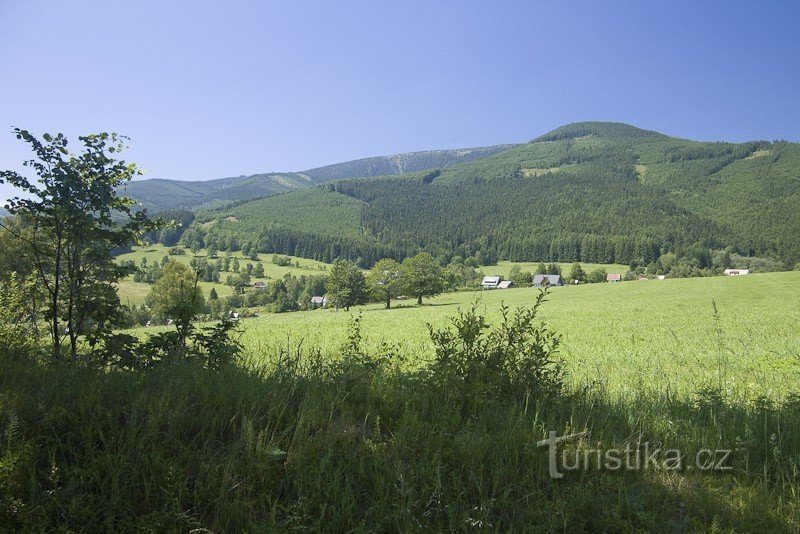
(159, 195)
(402, 163)
(593, 192)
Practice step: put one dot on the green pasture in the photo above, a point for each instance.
(131, 292)
(631, 336)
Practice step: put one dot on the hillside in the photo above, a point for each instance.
(595, 192)
(403, 163)
(158, 195)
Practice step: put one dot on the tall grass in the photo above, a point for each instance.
(364, 443)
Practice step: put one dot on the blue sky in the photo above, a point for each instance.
(213, 89)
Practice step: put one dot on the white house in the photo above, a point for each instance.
(736, 272)
(319, 302)
(505, 284)
(490, 282)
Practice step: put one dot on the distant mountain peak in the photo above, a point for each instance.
(608, 130)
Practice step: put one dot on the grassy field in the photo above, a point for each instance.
(131, 292)
(645, 334)
(135, 292)
(367, 438)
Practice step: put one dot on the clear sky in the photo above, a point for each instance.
(214, 89)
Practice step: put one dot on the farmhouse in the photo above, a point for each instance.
(505, 284)
(319, 302)
(547, 280)
(490, 282)
(736, 272)
(233, 316)
(260, 284)
(614, 277)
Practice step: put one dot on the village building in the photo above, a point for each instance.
(614, 277)
(736, 272)
(490, 282)
(547, 280)
(505, 284)
(260, 284)
(319, 302)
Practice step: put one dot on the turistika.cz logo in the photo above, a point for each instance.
(643, 457)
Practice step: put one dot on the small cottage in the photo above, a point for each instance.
(505, 284)
(736, 272)
(319, 302)
(490, 282)
(547, 280)
(614, 277)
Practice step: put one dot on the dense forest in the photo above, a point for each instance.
(159, 195)
(592, 192)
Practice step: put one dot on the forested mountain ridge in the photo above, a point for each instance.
(159, 195)
(402, 163)
(599, 192)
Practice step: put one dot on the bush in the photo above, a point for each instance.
(597, 276)
(282, 261)
(512, 361)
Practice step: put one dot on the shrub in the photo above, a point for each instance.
(514, 360)
(597, 276)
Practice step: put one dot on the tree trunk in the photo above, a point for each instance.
(54, 294)
(419, 299)
(388, 302)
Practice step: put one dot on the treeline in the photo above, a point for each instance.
(282, 240)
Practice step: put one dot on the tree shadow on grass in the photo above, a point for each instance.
(340, 446)
(412, 306)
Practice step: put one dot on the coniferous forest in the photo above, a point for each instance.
(591, 192)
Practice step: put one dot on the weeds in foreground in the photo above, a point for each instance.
(360, 443)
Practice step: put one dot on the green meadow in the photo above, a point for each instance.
(630, 336)
(131, 292)
(329, 426)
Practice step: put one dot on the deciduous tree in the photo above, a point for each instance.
(423, 276)
(176, 296)
(76, 219)
(385, 279)
(347, 285)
